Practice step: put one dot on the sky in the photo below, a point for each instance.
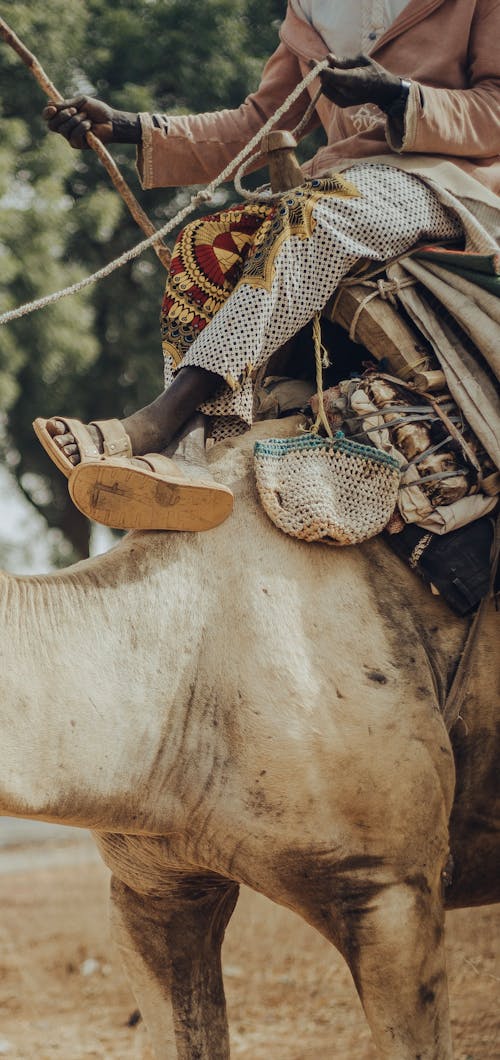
(24, 536)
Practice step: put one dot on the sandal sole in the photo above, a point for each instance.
(130, 498)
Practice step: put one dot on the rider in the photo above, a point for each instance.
(414, 129)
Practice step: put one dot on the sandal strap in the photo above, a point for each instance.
(82, 436)
(116, 441)
(162, 465)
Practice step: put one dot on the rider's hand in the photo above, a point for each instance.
(359, 80)
(74, 118)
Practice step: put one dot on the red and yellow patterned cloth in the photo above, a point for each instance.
(212, 255)
(207, 262)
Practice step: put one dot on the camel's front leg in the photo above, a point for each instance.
(380, 902)
(171, 947)
(394, 944)
(389, 926)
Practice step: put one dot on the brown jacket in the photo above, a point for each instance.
(450, 49)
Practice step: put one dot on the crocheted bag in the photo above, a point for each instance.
(326, 489)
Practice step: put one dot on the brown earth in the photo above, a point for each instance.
(63, 995)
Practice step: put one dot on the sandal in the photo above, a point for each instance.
(147, 493)
(116, 441)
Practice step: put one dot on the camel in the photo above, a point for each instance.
(237, 707)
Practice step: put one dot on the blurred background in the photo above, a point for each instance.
(96, 354)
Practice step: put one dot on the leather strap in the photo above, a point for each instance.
(116, 441)
(162, 465)
(459, 688)
(83, 438)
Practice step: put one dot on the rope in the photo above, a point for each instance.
(112, 266)
(419, 550)
(264, 191)
(322, 361)
(205, 195)
(385, 289)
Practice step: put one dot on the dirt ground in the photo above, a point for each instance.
(63, 995)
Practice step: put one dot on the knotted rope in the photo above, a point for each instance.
(385, 289)
(380, 288)
(322, 361)
(205, 195)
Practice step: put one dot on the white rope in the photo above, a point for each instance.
(384, 289)
(202, 196)
(264, 191)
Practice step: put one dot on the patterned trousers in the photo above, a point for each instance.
(245, 280)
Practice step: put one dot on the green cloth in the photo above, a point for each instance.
(481, 269)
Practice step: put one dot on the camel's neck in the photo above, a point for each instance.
(88, 682)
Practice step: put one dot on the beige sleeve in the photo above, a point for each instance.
(197, 147)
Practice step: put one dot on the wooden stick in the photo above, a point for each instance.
(432, 380)
(284, 170)
(108, 162)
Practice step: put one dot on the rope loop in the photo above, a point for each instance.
(381, 287)
(386, 291)
(264, 192)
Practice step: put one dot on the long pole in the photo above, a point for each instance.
(108, 162)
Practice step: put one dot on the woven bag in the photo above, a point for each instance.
(326, 489)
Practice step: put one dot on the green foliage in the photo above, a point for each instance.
(97, 354)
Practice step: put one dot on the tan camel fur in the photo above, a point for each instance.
(239, 707)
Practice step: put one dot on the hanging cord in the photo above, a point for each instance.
(322, 361)
(196, 200)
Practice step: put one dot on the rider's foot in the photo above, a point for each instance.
(143, 437)
(152, 428)
(67, 442)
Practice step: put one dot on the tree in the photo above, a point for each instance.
(97, 354)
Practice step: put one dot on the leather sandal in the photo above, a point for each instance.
(116, 441)
(147, 493)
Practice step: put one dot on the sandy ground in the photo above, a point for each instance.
(63, 995)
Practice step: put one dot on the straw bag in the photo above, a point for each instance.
(326, 489)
